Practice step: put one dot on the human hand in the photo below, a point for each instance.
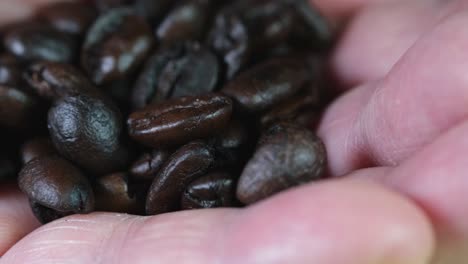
(397, 120)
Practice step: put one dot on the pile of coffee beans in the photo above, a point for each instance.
(147, 107)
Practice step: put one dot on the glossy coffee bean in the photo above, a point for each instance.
(287, 155)
(148, 165)
(10, 70)
(187, 21)
(268, 84)
(34, 41)
(211, 191)
(57, 185)
(68, 17)
(18, 109)
(180, 70)
(114, 194)
(36, 148)
(116, 44)
(183, 167)
(54, 80)
(87, 130)
(178, 121)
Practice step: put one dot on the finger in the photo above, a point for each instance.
(436, 179)
(331, 223)
(386, 30)
(424, 95)
(16, 219)
(13, 10)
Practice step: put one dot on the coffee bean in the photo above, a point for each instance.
(183, 167)
(58, 80)
(180, 70)
(69, 17)
(178, 121)
(57, 185)
(287, 155)
(87, 130)
(36, 148)
(211, 191)
(187, 21)
(148, 165)
(115, 46)
(44, 214)
(114, 193)
(268, 84)
(231, 144)
(18, 109)
(10, 70)
(34, 41)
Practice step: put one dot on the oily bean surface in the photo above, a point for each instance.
(178, 121)
(116, 44)
(34, 41)
(183, 167)
(287, 155)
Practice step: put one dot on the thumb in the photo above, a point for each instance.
(333, 222)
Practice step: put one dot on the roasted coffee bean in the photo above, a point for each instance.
(268, 84)
(87, 130)
(149, 164)
(231, 144)
(115, 46)
(180, 70)
(183, 167)
(54, 81)
(187, 21)
(214, 190)
(287, 155)
(10, 70)
(46, 215)
(294, 108)
(58, 186)
(114, 193)
(34, 41)
(18, 109)
(178, 121)
(69, 17)
(36, 148)
(152, 10)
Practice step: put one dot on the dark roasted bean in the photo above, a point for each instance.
(287, 155)
(56, 185)
(36, 148)
(87, 130)
(181, 70)
(18, 109)
(267, 84)
(183, 167)
(116, 45)
(178, 121)
(58, 80)
(33, 41)
(148, 165)
(69, 17)
(114, 194)
(10, 70)
(211, 191)
(187, 21)
(231, 144)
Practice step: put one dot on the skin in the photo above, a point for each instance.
(402, 115)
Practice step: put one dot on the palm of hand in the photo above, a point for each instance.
(405, 119)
